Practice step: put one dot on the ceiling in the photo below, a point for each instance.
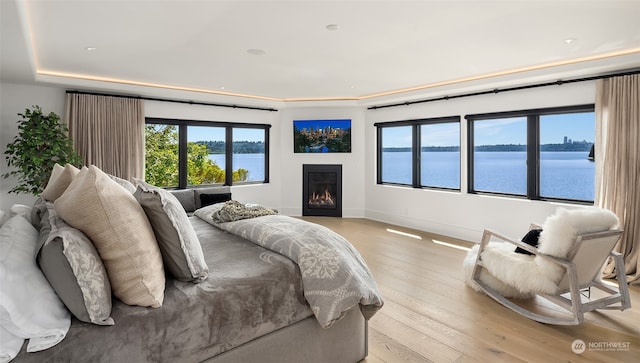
(304, 50)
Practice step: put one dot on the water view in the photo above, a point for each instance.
(502, 172)
(252, 162)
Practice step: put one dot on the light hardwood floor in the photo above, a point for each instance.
(430, 315)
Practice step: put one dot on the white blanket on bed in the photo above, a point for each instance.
(335, 277)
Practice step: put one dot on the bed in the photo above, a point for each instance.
(252, 306)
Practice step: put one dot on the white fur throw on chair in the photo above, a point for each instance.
(521, 276)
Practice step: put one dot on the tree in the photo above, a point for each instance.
(161, 155)
(201, 170)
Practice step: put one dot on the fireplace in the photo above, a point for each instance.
(322, 190)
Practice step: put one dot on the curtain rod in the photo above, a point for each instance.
(173, 100)
(516, 88)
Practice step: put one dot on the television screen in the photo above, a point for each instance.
(322, 136)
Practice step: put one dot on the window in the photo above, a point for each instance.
(440, 155)
(249, 154)
(396, 154)
(538, 154)
(180, 153)
(206, 155)
(161, 155)
(420, 153)
(566, 170)
(500, 155)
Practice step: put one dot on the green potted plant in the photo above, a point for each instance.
(42, 141)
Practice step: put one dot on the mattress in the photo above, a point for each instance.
(250, 292)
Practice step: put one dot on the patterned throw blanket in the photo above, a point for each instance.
(334, 275)
(235, 211)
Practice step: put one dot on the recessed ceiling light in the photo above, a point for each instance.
(256, 51)
(569, 40)
(333, 27)
(90, 49)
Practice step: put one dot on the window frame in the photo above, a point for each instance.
(229, 126)
(416, 147)
(533, 149)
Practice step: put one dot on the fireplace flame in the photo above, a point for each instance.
(324, 199)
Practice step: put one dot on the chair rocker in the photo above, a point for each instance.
(573, 246)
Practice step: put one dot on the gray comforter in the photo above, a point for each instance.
(250, 292)
(335, 277)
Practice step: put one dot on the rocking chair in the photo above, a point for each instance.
(573, 246)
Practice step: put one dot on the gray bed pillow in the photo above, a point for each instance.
(37, 212)
(74, 269)
(186, 197)
(123, 183)
(178, 241)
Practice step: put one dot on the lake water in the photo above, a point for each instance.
(568, 175)
(252, 162)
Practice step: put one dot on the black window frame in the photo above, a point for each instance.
(229, 126)
(533, 149)
(416, 147)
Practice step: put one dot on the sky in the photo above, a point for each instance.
(553, 129)
(205, 133)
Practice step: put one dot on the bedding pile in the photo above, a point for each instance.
(250, 292)
(334, 275)
(100, 267)
(235, 211)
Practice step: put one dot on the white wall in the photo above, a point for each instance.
(459, 214)
(353, 176)
(14, 99)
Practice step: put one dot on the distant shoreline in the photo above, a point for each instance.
(582, 146)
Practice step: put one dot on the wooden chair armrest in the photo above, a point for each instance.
(488, 233)
(486, 238)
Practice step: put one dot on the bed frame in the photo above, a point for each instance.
(305, 341)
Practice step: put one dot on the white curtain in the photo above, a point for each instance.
(617, 154)
(108, 132)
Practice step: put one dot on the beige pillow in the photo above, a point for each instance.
(118, 227)
(59, 180)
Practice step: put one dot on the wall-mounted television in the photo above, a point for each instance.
(322, 136)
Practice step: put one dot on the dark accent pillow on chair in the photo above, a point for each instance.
(531, 238)
(209, 199)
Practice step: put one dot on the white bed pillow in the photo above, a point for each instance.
(21, 210)
(10, 344)
(29, 308)
(4, 216)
